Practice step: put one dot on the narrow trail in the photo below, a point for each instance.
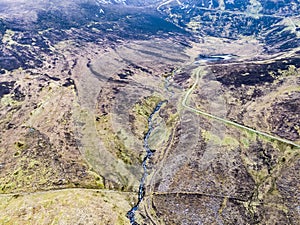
(181, 193)
(2, 195)
(185, 105)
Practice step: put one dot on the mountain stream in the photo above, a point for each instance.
(149, 152)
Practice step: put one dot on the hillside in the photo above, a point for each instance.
(186, 112)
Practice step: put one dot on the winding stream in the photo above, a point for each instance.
(141, 193)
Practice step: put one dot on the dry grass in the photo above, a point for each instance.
(73, 206)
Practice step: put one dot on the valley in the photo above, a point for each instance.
(184, 112)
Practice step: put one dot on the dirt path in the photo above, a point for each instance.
(185, 105)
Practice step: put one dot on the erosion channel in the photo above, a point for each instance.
(149, 153)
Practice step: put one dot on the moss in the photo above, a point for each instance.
(33, 164)
(228, 140)
(122, 152)
(225, 141)
(223, 206)
(273, 190)
(17, 153)
(297, 128)
(146, 106)
(172, 119)
(7, 100)
(291, 71)
(20, 145)
(209, 136)
(99, 181)
(112, 140)
(73, 206)
(249, 137)
(33, 174)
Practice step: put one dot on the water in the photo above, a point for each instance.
(214, 58)
(131, 214)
